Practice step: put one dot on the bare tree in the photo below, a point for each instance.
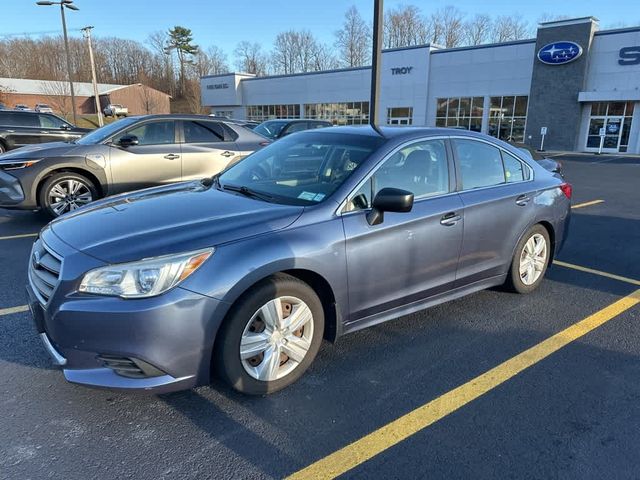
(404, 26)
(325, 59)
(452, 21)
(478, 30)
(58, 96)
(509, 27)
(192, 96)
(353, 40)
(250, 58)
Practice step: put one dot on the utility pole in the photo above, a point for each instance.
(376, 57)
(66, 4)
(86, 31)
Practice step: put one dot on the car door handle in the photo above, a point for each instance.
(171, 156)
(450, 219)
(522, 200)
(227, 154)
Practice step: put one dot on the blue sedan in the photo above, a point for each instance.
(318, 235)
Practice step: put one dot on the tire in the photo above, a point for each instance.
(536, 241)
(2, 148)
(62, 183)
(246, 328)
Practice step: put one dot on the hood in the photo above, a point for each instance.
(165, 220)
(40, 150)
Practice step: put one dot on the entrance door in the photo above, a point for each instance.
(613, 127)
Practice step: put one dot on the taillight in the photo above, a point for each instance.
(567, 189)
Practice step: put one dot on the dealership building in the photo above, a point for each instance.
(578, 85)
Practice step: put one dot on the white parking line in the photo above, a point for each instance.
(10, 310)
(22, 235)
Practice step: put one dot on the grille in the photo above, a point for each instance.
(44, 270)
(129, 367)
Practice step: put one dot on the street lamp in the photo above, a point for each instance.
(66, 4)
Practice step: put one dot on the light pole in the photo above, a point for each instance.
(376, 61)
(87, 34)
(66, 4)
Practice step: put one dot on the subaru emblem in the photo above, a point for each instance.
(559, 53)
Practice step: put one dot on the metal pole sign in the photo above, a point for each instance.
(376, 59)
(602, 132)
(543, 132)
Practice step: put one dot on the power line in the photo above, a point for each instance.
(48, 32)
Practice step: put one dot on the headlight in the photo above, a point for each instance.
(17, 164)
(146, 278)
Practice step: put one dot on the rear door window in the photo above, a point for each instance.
(50, 121)
(514, 169)
(480, 164)
(203, 132)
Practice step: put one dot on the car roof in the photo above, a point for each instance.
(402, 132)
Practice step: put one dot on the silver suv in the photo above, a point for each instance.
(132, 153)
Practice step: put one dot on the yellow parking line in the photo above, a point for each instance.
(587, 204)
(398, 430)
(597, 272)
(23, 235)
(9, 311)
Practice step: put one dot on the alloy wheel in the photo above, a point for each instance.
(533, 259)
(277, 338)
(68, 195)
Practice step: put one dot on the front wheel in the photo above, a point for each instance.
(66, 191)
(271, 336)
(530, 260)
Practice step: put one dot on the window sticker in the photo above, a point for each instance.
(319, 197)
(307, 196)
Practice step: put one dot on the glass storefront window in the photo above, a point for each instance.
(400, 116)
(465, 112)
(508, 117)
(260, 113)
(349, 113)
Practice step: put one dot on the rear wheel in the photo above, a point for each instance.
(2, 148)
(271, 337)
(65, 192)
(530, 260)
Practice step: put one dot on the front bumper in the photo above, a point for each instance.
(11, 192)
(172, 333)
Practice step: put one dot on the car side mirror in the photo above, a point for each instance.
(389, 200)
(64, 126)
(128, 141)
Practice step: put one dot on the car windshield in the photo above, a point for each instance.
(102, 133)
(303, 169)
(270, 129)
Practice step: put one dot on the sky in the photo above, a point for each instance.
(226, 22)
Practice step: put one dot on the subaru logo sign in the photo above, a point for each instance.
(559, 53)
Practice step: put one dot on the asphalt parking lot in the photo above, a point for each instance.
(477, 406)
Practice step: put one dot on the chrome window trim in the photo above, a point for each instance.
(408, 143)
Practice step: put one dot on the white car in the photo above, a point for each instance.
(43, 108)
(22, 107)
(115, 110)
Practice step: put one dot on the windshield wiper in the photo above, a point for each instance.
(246, 191)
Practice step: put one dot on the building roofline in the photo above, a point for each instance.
(485, 45)
(320, 72)
(242, 74)
(614, 31)
(567, 21)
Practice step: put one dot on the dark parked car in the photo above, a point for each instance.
(18, 128)
(317, 235)
(275, 129)
(550, 164)
(129, 154)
